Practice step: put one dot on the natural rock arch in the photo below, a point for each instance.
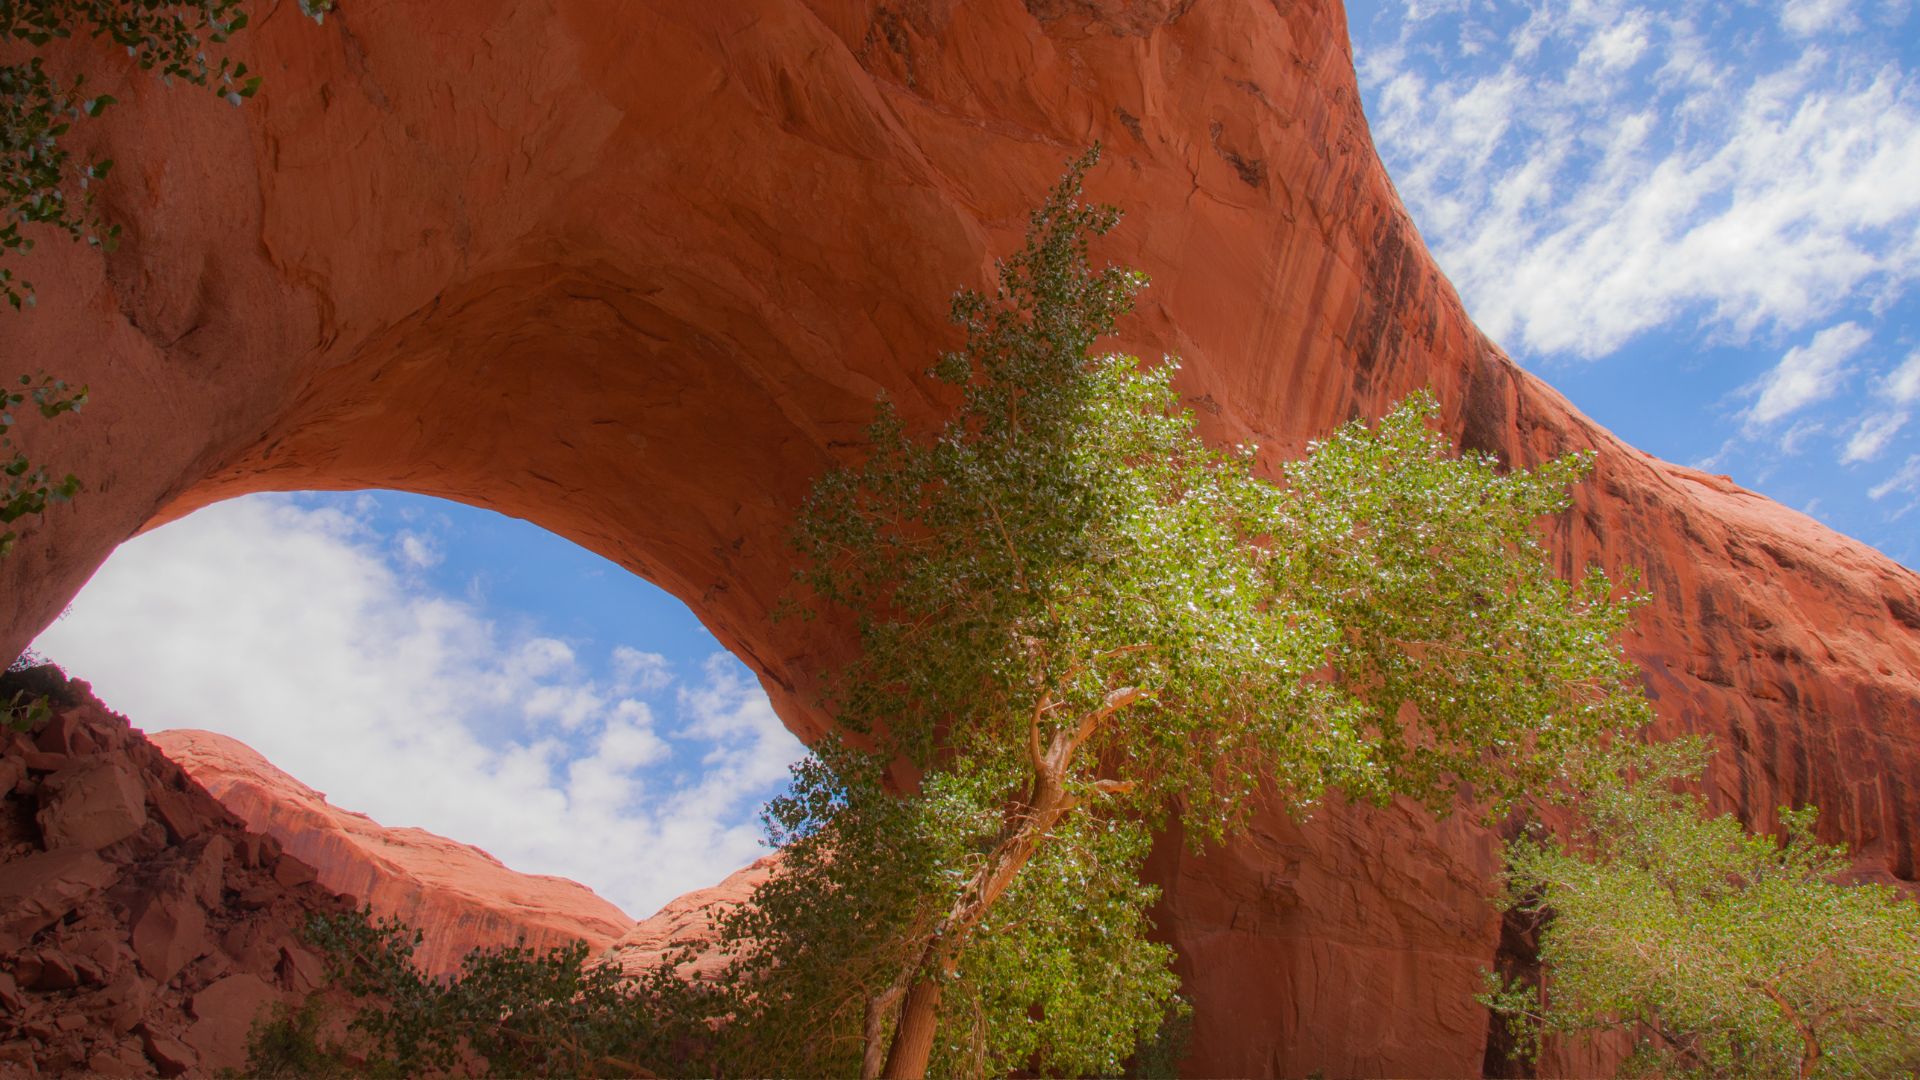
(636, 271)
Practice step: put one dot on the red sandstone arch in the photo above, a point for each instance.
(635, 271)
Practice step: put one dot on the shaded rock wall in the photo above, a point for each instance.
(458, 895)
(142, 927)
(636, 271)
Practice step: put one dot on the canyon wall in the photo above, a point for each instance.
(636, 272)
(458, 895)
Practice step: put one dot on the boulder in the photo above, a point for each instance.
(91, 803)
(40, 889)
(223, 1015)
(169, 932)
(169, 1055)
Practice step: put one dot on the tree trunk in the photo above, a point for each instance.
(913, 1035)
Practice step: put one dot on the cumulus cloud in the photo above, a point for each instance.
(1616, 173)
(1806, 374)
(301, 632)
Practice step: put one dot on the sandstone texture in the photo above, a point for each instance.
(458, 895)
(134, 942)
(687, 922)
(635, 272)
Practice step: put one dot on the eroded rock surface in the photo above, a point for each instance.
(687, 922)
(132, 943)
(635, 272)
(458, 895)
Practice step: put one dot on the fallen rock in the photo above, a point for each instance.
(223, 1015)
(91, 803)
(37, 890)
(169, 932)
(47, 969)
(169, 1055)
(64, 734)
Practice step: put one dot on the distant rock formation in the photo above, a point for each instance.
(687, 921)
(143, 928)
(458, 895)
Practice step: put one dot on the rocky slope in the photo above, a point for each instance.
(142, 926)
(458, 895)
(687, 921)
(636, 272)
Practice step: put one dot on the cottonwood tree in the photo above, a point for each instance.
(1724, 952)
(1078, 620)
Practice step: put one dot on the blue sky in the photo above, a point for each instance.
(1700, 221)
(434, 665)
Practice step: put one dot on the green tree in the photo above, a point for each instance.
(1077, 618)
(1727, 954)
(509, 1011)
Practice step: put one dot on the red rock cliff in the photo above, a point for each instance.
(461, 897)
(636, 271)
(143, 929)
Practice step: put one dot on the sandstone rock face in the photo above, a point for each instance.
(125, 951)
(687, 921)
(635, 272)
(460, 896)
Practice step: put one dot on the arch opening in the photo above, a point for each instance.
(441, 666)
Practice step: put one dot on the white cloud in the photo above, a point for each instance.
(1902, 387)
(1906, 480)
(1806, 374)
(1805, 17)
(1578, 201)
(1872, 436)
(417, 551)
(642, 672)
(297, 631)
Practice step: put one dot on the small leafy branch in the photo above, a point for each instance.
(40, 184)
(39, 181)
(28, 488)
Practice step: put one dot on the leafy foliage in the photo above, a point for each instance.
(41, 185)
(290, 1041)
(1075, 617)
(1730, 954)
(28, 488)
(30, 689)
(40, 182)
(509, 1012)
